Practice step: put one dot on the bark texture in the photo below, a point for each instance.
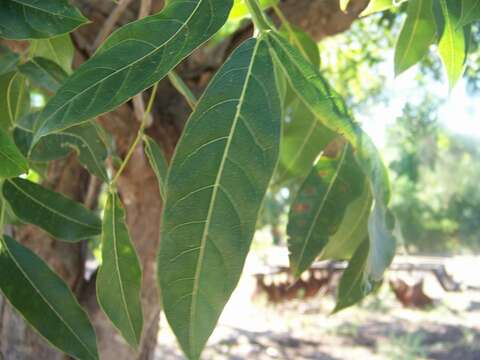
(138, 187)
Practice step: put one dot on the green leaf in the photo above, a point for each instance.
(418, 33)
(8, 60)
(33, 19)
(45, 301)
(320, 206)
(212, 206)
(330, 109)
(453, 41)
(119, 279)
(87, 140)
(352, 230)
(303, 42)
(354, 284)
(304, 137)
(157, 162)
(132, 59)
(375, 6)
(58, 49)
(240, 9)
(61, 217)
(12, 161)
(14, 99)
(470, 12)
(43, 73)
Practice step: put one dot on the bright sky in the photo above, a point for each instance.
(460, 113)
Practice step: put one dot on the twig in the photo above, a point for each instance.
(110, 23)
(139, 136)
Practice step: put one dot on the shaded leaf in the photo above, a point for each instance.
(212, 205)
(470, 12)
(119, 278)
(320, 206)
(14, 99)
(58, 215)
(157, 162)
(417, 34)
(132, 59)
(34, 19)
(8, 60)
(43, 73)
(45, 301)
(330, 109)
(58, 49)
(354, 284)
(452, 46)
(12, 161)
(304, 137)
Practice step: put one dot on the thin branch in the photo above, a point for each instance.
(110, 23)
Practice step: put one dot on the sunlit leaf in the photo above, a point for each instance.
(43, 73)
(120, 277)
(45, 301)
(58, 49)
(418, 33)
(375, 6)
(470, 12)
(12, 162)
(240, 9)
(8, 60)
(453, 41)
(157, 162)
(34, 19)
(216, 184)
(132, 59)
(320, 206)
(58, 215)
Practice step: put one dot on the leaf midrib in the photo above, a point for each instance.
(216, 185)
(126, 67)
(414, 29)
(45, 299)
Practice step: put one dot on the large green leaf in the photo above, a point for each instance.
(217, 181)
(304, 137)
(34, 19)
(453, 43)
(418, 33)
(119, 279)
(45, 301)
(157, 162)
(8, 60)
(12, 161)
(470, 12)
(58, 49)
(329, 108)
(320, 206)
(61, 217)
(132, 59)
(43, 73)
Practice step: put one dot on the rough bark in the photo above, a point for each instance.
(137, 186)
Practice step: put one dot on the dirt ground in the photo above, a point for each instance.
(380, 328)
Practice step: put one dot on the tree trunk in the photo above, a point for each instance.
(137, 186)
